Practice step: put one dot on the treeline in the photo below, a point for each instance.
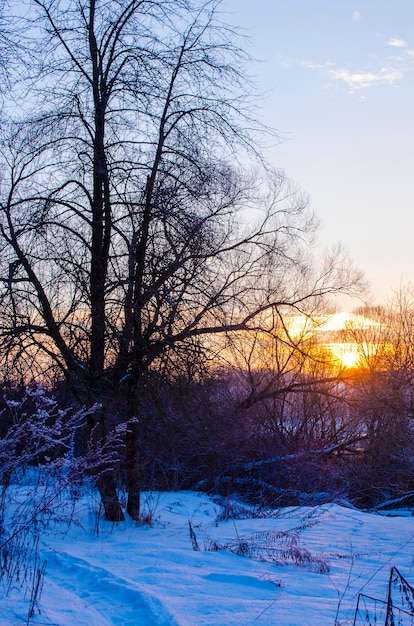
(275, 438)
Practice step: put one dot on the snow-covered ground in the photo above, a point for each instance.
(290, 567)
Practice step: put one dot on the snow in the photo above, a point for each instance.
(291, 566)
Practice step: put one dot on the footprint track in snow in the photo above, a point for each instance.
(117, 600)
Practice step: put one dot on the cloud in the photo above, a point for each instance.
(394, 69)
(397, 43)
(356, 16)
(363, 80)
(317, 66)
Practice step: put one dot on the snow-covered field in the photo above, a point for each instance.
(288, 567)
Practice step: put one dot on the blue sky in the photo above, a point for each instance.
(339, 77)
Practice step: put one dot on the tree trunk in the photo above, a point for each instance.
(109, 496)
(100, 242)
(103, 474)
(133, 470)
(132, 446)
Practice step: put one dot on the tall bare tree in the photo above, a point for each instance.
(130, 228)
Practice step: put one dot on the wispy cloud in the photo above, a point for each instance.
(356, 16)
(393, 71)
(364, 80)
(390, 71)
(317, 66)
(358, 79)
(397, 43)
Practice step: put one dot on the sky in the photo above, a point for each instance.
(337, 79)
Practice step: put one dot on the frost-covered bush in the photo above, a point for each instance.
(37, 467)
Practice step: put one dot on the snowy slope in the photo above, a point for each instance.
(291, 567)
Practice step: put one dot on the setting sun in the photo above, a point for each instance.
(348, 356)
(347, 336)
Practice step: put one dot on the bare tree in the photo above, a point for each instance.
(130, 230)
(386, 389)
